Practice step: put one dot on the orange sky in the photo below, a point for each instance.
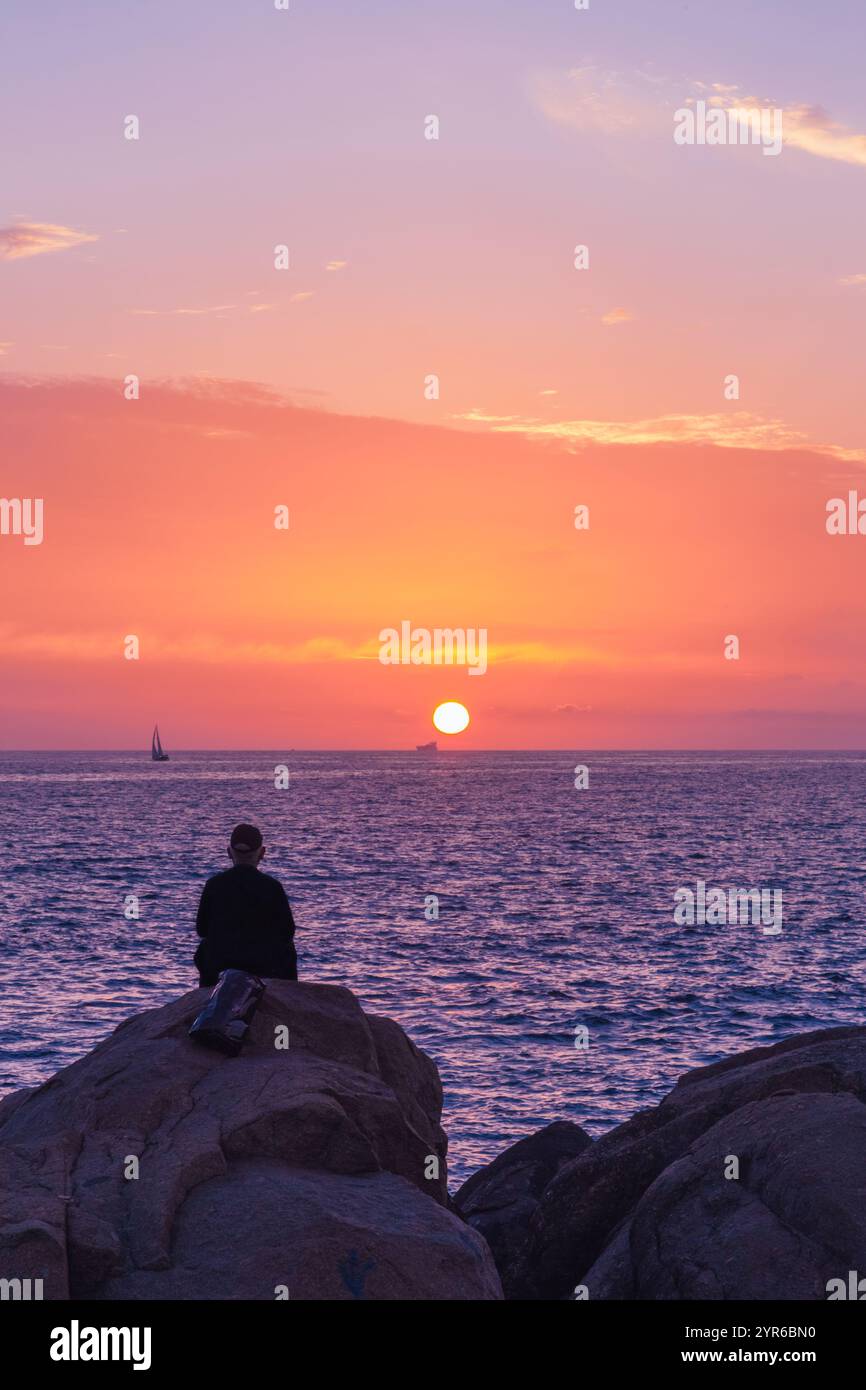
(409, 256)
(159, 522)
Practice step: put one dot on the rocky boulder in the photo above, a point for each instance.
(500, 1199)
(768, 1204)
(604, 1203)
(154, 1168)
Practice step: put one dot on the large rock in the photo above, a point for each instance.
(302, 1169)
(582, 1212)
(500, 1199)
(782, 1221)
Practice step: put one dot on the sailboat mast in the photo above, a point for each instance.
(156, 749)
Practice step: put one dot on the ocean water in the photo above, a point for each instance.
(555, 908)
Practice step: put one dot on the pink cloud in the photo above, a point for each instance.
(38, 239)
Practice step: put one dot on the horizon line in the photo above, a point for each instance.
(565, 748)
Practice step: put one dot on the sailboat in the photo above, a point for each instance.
(156, 751)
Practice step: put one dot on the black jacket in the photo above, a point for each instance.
(246, 923)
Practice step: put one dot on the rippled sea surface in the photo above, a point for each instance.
(555, 908)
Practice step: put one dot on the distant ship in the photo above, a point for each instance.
(431, 747)
(156, 749)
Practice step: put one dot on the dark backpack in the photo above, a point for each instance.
(225, 1019)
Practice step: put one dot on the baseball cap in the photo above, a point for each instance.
(246, 837)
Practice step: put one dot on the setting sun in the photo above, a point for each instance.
(451, 718)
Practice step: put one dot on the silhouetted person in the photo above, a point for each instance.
(244, 918)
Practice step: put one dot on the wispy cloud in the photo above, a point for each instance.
(302, 294)
(4, 348)
(617, 316)
(804, 127)
(204, 648)
(591, 98)
(853, 279)
(191, 313)
(336, 265)
(738, 430)
(23, 239)
(811, 129)
(204, 310)
(193, 648)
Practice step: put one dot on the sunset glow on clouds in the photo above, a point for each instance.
(410, 259)
(637, 104)
(738, 430)
(621, 625)
(23, 239)
(617, 316)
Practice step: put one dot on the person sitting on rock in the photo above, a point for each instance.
(244, 918)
